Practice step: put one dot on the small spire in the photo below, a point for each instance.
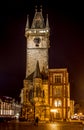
(37, 73)
(36, 8)
(38, 21)
(47, 22)
(27, 23)
(41, 8)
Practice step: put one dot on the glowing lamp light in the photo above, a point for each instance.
(53, 110)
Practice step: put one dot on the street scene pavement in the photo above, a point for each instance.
(42, 126)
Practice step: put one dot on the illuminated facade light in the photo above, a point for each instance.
(58, 103)
(53, 110)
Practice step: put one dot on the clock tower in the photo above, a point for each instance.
(34, 94)
(46, 92)
(37, 43)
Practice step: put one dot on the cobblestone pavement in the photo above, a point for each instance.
(41, 126)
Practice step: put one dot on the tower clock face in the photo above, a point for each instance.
(37, 41)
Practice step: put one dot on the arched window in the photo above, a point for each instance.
(38, 92)
(30, 94)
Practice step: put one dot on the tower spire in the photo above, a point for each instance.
(41, 8)
(36, 8)
(27, 23)
(47, 22)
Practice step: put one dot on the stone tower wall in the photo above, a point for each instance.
(36, 54)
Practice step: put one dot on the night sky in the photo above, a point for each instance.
(66, 22)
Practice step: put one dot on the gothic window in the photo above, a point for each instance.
(30, 94)
(26, 93)
(38, 92)
(37, 24)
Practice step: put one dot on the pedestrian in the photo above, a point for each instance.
(36, 121)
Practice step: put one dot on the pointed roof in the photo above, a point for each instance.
(38, 21)
(37, 73)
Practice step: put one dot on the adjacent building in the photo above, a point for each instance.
(59, 94)
(6, 107)
(9, 109)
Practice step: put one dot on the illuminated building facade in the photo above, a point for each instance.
(6, 107)
(59, 94)
(72, 107)
(46, 92)
(9, 108)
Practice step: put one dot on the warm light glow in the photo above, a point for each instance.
(42, 31)
(31, 110)
(17, 115)
(53, 110)
(80, 113)
(39, 31)
(55, 103)
(58, 103)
